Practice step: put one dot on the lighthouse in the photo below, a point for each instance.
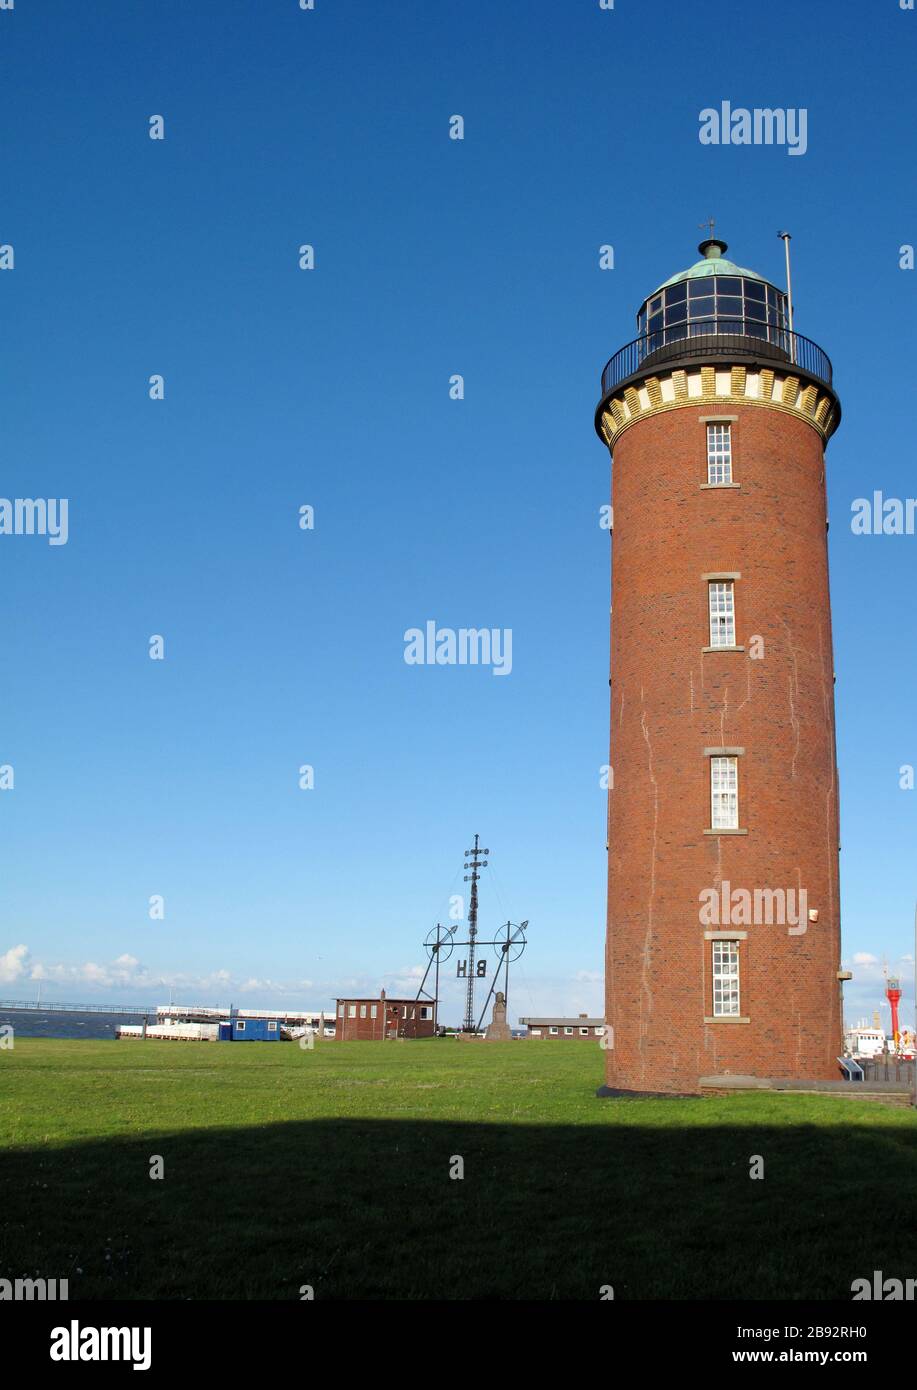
(723, 928)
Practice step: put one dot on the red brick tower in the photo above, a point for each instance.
(723, 945)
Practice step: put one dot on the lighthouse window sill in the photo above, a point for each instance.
(727, 1018)
(725, 832)
(722, 649)
(712, 486)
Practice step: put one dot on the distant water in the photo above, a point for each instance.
(52, 1023)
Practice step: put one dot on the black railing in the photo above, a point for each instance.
(740, 339)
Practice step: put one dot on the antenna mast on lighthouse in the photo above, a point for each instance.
(475, 863)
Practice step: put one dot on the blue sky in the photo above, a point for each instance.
(330, 388)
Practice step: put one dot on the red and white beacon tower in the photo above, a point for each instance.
(723, 939)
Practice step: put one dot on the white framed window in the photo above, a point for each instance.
(598, 1031)
(553, 1030)
(351, 1010)
(719, 454)
(340, 1010)
(272, 1027)
(724, 793)
(568, 1032)
(373, 1010)
(721, 603)
(426, 1011)
(584, 1032)
(725, 979)
(240, 1025)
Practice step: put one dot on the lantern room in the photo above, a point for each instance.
(713, 296)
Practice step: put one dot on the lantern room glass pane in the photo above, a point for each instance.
(775, 305)
(675, 294)
(754, 290)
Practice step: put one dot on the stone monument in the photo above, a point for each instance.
(498, 1029)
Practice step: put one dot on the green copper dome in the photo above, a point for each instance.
(714, 263)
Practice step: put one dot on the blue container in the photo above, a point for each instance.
(255, 1030)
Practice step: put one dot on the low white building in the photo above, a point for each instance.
(581, 1027)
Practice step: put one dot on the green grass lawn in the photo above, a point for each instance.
(330, 1167)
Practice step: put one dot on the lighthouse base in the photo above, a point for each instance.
(615, 1093)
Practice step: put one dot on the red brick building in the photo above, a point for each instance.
(375, 1019)
(723, 936)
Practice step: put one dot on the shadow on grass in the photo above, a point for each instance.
(367, 1209)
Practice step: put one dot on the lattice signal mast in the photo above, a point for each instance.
(475, 863)
(508, 941)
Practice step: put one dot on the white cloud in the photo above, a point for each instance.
(134, 982)
(263, 986)
(217, 979)
(401, 983)
(865, 958)
(13, 964)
